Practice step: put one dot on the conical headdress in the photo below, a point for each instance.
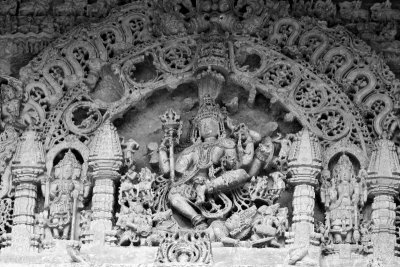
(343, 166)
(69, 159)
(208, 109)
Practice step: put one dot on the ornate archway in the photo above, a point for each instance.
(326, 79)
(287, 59)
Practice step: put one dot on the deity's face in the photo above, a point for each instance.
(209, 127)
(67, 171)
(346, 176)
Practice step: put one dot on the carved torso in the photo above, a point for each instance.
(200, 157)
(62, 201)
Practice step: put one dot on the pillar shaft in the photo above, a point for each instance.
(28, 163)
(103, 199)
(103, 202)
(304, 164)
(105, 160)
(24, 216)
(303, 213)
(383, 184)
(383, 232)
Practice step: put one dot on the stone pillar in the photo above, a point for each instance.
(304, 162)
(105, 160)
(26, 166)
(383, 182)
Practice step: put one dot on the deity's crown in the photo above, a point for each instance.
(69, 159)
(208, 109)
(343, 165)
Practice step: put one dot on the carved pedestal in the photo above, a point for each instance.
(105, 160)
(304, 166)
(28, 163)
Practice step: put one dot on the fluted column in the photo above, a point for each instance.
(304, 165)
(27, 164)
(383, 183)
(105, 160)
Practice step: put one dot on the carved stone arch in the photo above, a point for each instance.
(336, 67)
(38, 92)
(364, 74)
(55, 73)
(287, 43)
(108, 39)
(308, 41)
(332, 83)
(78, 54)
(346, 148)
(135, 27)
(285, 31)
(381, 105)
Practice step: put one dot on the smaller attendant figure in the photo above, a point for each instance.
(135, 223)
(282, 216)
(266, 227)
(64, 196)
(365, 231)
(267, 189)
(11, 105)
(136, 196)
(343, 194)
(164, 224)
(235, 229)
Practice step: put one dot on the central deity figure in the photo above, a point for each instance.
(213, 165)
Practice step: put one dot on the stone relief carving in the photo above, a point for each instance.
(220, 179)
(63, 196)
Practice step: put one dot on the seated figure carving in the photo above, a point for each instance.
(343, 193)
(213, 166)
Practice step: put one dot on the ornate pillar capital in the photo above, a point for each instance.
(305, 159)
(105, 159)
(27, 164)
(28, 161)
(384, 169)
(105, 151)
(383, 182)
(305, 162)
